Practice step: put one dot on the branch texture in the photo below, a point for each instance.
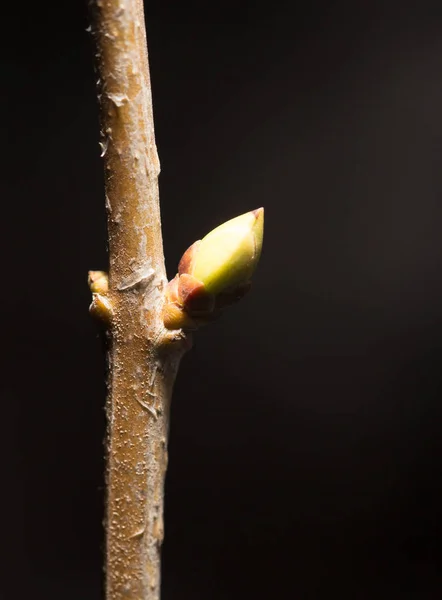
(143, 356)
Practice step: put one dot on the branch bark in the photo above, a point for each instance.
(143, 356)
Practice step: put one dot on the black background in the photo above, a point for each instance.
(306, 446)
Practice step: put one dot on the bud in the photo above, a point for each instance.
(99, 285)
(98, 282)
(101, 308)
(214, 272)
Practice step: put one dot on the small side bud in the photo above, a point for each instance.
(98, 282)
(215, 271)
(174, 317)
(101, 308)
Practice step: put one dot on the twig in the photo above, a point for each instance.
(141, 350)
(146, 317)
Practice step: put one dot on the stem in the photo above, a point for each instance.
(143, 357)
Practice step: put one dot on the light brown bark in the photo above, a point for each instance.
(143, 356)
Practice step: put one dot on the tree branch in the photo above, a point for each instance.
(147, 318)
(143, 356)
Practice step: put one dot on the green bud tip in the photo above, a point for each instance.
(215, 271)
(229, 254)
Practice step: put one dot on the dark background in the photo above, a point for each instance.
(306, 446)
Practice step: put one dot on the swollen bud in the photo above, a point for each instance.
(214, 272)
(228, 255)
